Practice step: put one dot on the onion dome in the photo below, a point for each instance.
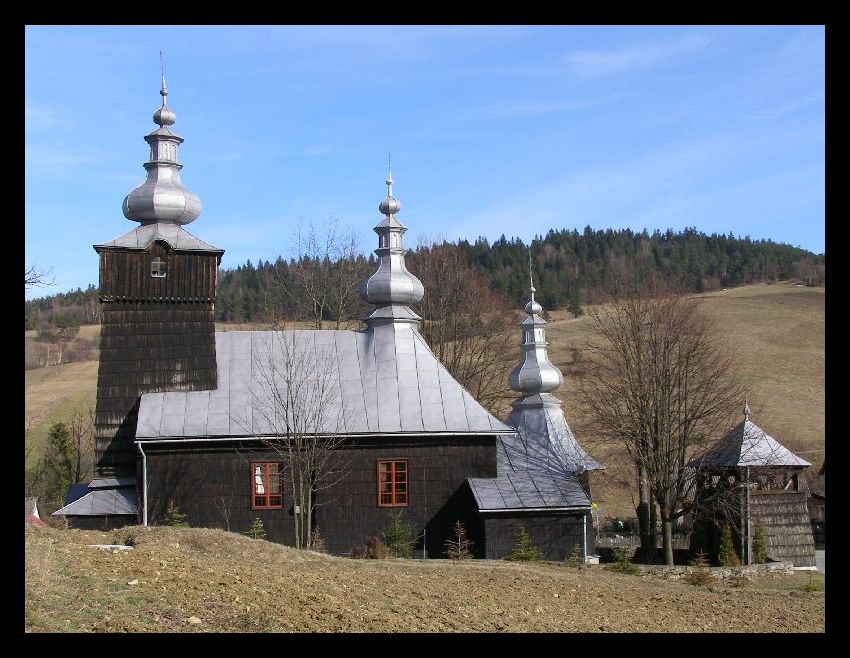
(162, 198)
(534, 373)
(392, 283)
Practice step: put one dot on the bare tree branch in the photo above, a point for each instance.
(35, 276)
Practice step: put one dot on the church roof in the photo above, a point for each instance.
(176, 236)
(545, 439)
(747, 444)
(526, 485)
(99, 502)
(384, 380)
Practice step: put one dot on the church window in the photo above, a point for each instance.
(158, 267)
(392, 483)
(266, 486)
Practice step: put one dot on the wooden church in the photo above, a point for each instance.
(189, 416)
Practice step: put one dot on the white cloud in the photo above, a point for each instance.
(593, 63)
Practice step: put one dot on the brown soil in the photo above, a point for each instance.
(198, 580)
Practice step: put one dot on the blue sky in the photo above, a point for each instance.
(493, 129)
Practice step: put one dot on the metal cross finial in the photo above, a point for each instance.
(530, 274)
(164, 90)
(389, 173)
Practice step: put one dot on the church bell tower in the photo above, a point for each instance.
(157, 296)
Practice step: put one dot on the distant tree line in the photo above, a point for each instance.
(571, 268)
(575, 268)
(72, 308)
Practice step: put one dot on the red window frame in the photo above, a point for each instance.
(264, 495)
(393, 483)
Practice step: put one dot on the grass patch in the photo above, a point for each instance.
(805, 581)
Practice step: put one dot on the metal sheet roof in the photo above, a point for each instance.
(384, 380)
(546, 441)
(526, 489)
(747, 444)
(176, 236)
(103, 502)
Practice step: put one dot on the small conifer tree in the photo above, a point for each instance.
(316, 542)
(576, 559)
(700, 574)
(400, 537)
(459, 548)
(759, 546)
(256, 531)
(726, 556)
(524, 550)
(174, 517)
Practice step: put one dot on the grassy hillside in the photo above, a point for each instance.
(201, 580)
(776, 331)
(52, 395)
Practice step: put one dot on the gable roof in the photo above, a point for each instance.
(384, 380)
(747, 444)
(141, 237)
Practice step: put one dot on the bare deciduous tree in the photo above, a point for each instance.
(327, 267)
(81, 430)
(222, 504)
(467, 325)
(298, 414)
(35, 276)
(661, 385)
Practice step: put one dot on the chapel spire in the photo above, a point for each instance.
(534, 373)
(162, 198)
(392, 287)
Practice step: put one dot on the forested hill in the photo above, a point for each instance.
(569, 264)
(570, 268)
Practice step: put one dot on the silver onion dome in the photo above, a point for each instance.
(162, 197)
(391, 283)
(534, 373)
(390, 205)
(164, 115)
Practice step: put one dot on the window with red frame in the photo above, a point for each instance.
(392, 483)
(266, 485)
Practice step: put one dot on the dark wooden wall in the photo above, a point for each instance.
(126, 274)
(157, 334)
(212, 485)
(787, 528)
(100, 522)
(555, 535)
(784, 516)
